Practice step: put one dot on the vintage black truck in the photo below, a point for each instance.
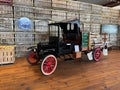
(65, 37)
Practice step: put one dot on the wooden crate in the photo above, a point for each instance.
(119, 22)
(106, 11)
(58, 15)
(41, 37)
(24, 38)
(41, 26)
(96, 9)
(86, 27)
(23, 11)
(21, 50)
(95, 28)
(115, 13)
(73, 5)
(85, 7)
(84, 17)
(72, 15)
(95, 18)
(23, 2)
(106, 20)
(59, 4)
(6, 37)
(6, 11)
(44, 14)
(6, 24)
(92, 37)
(7, 54)
(114, 20)
(113, 37)
(43, 3)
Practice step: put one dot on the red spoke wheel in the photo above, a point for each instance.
(49, 64)
(97, 53)
(32, 58)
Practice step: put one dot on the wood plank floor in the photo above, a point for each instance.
(70, 75)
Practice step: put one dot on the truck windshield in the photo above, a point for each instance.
(55, 30)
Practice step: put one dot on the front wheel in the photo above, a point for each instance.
(49, 64)
(97, 53)
(32, 58)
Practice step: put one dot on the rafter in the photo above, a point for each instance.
(112, 3)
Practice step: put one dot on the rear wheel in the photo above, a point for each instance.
(49, 64)
(97, 53)
(32, 58)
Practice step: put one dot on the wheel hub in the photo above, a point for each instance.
(49, 63)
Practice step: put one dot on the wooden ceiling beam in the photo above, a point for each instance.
(112, 3)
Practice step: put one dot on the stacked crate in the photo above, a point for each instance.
(41, 26)
(86, 27)
(85, 15)
(96, 18)
(23, 37)
(58, 15)
(96, 14)
(85, 22)
(106, 19)
(85, 18)
(23, 2)
(41, 38)
(72, 15)
(96, 9)
(41, 31)
(85, 7)
(113, 39)
(22, 11)
(21, 50)
(7, 38)
(7, 54)
(43, 3)
(73, 5)
(6, 25)
(59, 10)
(42, 15)
(95, 28)
(114, 16)
(106, 15)
(59, 4)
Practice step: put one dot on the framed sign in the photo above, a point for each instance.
(24, 23)
(85, 38)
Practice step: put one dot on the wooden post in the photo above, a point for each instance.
(105, 38)
(89, 41)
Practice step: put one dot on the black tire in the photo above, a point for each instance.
(97, 54)
(48, 65)
(32, 58)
